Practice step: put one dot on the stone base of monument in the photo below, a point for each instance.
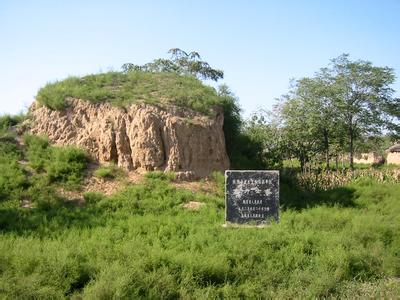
(236, 225)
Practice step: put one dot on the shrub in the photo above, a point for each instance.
(37, 151)
(9, 149)
(219, 179)
(42, 193)
(110, 171)
(155, 195)
(62, 164)
(12, 179)
(93, 197)
(66, 165)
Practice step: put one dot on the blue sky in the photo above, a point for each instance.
(260, 45)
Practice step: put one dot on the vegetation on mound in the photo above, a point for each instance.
(181, 63)
(123, 89)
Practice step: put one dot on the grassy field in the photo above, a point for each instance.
(122, 89)
(141, 243)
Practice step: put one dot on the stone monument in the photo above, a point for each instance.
(252, 197)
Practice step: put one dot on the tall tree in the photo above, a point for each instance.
(299, 130)
(363, 98)
(317, 97)
(309, 118)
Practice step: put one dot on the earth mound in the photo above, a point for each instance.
(142, 137)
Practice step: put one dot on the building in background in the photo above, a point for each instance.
(393, 154)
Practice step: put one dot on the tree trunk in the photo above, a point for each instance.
(302, 164)
(326, 146)
(351, 148)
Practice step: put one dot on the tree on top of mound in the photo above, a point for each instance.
(180, 62)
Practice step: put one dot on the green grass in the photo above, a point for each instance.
(140, 243)
(123, 89)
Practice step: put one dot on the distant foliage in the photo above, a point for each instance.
(267, 136)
